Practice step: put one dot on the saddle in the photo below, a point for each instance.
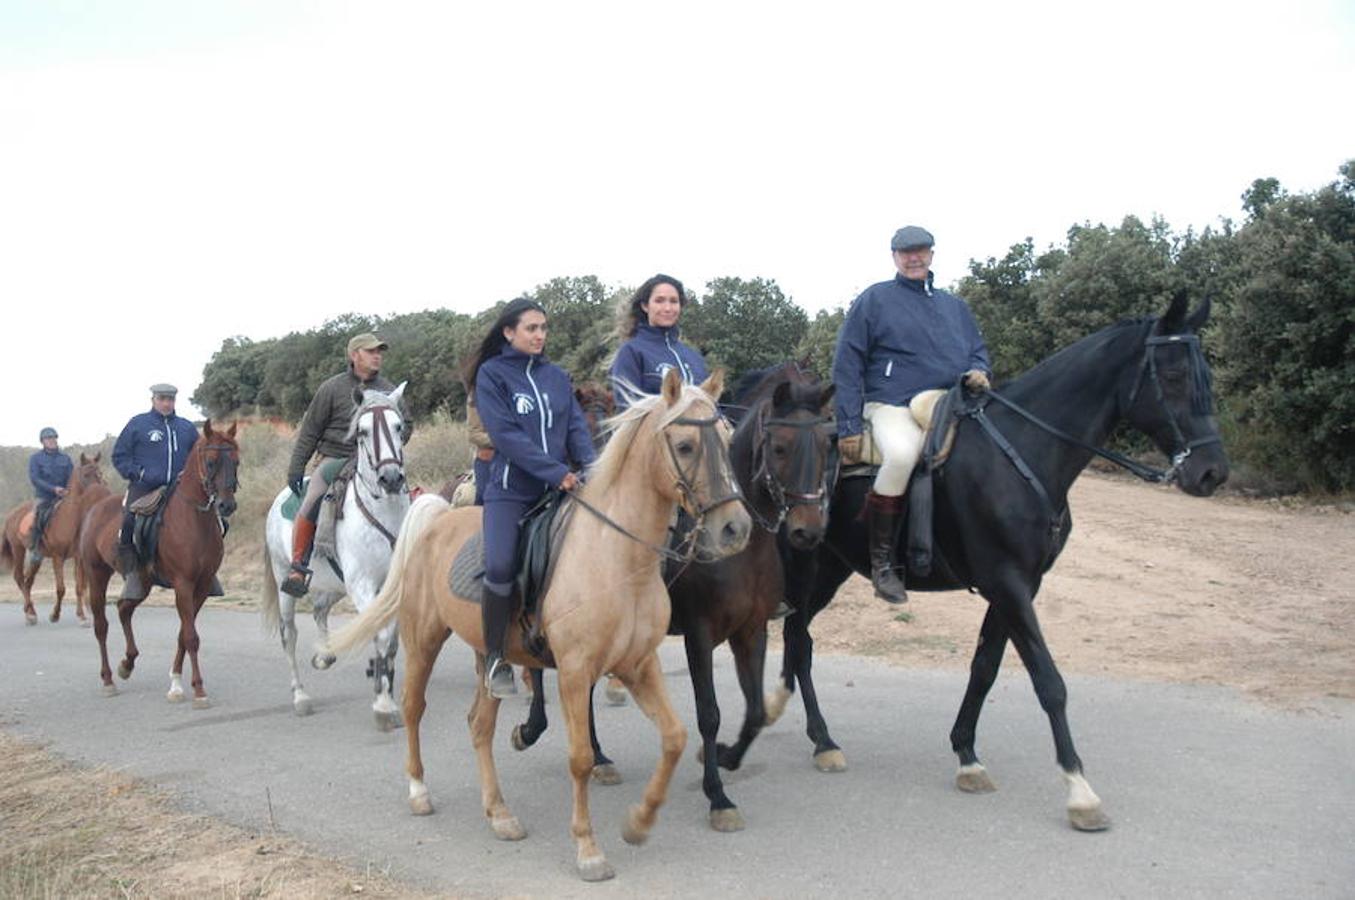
(539, 533)
(149, 510)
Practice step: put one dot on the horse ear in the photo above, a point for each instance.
(578, 395)
(230, 432)
(826, 400)
(207, 427)
(672, 387)
(782, 395)
(715, 384)
(398, 395)
(98, 456)
(1175, 319)
(84, 460)
(1197, 319)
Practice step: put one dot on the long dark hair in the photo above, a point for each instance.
(632, 314)
(494, 340)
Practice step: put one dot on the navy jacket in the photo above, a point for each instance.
(49, 470)
(152, 448)
(527, 405)
(643, 360)
(902, 337)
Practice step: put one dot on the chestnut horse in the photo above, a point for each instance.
(605, 608)
(187, 556)
(59, 542)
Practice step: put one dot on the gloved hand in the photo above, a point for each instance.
(849, 449)
(976, 380)
(296, 485)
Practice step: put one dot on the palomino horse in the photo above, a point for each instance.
(782, 456)
(373, 508)
(59, 542)
(604, 610)
(1001, 515)
(188, 553)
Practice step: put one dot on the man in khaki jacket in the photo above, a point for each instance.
(324, 430)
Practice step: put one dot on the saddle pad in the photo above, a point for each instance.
(538, 536)
(467, 577)
(147, 504)
(293, 502)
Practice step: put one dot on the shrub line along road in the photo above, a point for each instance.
(1210, 793)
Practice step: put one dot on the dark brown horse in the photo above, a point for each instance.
(59, 541)
(187, 556)
(782, 457)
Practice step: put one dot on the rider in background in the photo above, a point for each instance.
(48, 470)
(324, 429)
(528, 407)
(900, 337)
(648, 326)
(150, 453)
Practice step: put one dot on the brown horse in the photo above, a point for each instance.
(187, 556)
(84, 488)
(605, 609)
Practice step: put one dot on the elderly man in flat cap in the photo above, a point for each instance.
(900, 337)
(150, 453)
(324, 430)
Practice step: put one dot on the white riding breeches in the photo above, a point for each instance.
(899, 439)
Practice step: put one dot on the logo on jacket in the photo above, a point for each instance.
(662, 370)
(523, 403)
(155, 436)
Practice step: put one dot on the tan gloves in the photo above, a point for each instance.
(976, 380)
(849, 449)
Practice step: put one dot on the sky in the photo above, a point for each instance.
(176, 172)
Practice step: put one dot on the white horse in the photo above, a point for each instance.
(373, 509)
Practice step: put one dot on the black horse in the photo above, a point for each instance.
(997, 530)
(782, 456)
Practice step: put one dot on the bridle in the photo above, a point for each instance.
(802, 475)
(396, 456)
(208, 473)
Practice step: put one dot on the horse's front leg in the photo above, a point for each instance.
(188, 604)
(724, 815)
(972, 778)
(59, 575)
(301, 701)
(25, 574)
(483, 718)
(651, 695)
(323, 659)
(1084, 806)
(384, 710)
(125, 610)
(750, 655)
(576, 706)
(828, 756)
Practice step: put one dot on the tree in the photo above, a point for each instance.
(744, 324)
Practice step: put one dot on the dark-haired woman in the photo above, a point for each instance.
(648, 325)
(527, 405)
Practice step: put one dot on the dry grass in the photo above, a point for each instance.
(72, 832)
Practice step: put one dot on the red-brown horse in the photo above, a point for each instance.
(188, 553)
(59, 541)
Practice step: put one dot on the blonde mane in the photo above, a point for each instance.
(624, 427)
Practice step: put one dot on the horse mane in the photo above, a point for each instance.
(624, 427)
(757, 383)
(1093, 344)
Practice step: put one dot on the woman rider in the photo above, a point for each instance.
(648, 326)
(527, 405)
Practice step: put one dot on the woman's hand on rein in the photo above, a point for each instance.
(569, 482)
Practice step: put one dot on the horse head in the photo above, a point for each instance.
(597, 404)
(218, 462)
(788, 463)
(1172, 401)
(377, 427)
(89, 472)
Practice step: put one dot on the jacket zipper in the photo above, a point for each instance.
(169, 452)
(682, 367)
(540, 407)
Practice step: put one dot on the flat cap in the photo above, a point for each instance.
(164, 390)
(911, 237)
(366, 341)
(48, 432)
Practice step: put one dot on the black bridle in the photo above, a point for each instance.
(209, 473)
(381, 428)
(801, 491)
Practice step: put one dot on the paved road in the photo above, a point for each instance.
(1211, 795)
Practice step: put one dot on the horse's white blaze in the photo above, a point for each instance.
(1080, 793)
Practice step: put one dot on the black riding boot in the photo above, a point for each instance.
(883, 517)
(496, 609)
(132, 587)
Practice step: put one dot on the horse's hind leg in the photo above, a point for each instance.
(81, 592)
(98, 587)
(1084, 807)
(24, 574)
(972, 777)
(750, 655)
(384, 710)
(58, 575)
(724, 815)
(323, 659)
(651, 695)
(301, 701)
(483, 717)
(125, 610)
(421, 652)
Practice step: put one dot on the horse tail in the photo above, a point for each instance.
(387, 603)
(268, 603)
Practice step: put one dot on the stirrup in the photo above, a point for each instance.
(297, 582)
(499, 680)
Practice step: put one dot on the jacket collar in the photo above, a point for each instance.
(173, 415)
(352, 373)
(656, 332)
(518, 356)
(917, 287)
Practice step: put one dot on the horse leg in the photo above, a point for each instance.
(972, 777)
(483, 717)
(421, 651)
(828, 756)
(81, 592)
(527, 733)
(750, 655)
(301, 701)
(1084, 806)
(616, 691)
(604, 770)
(98, 602)
(188, 605)
(575, 706)
(59, 575)
(724, 815)
(320, 612)
(24, 575)
(125, 610)
(647, 686)
(384, 710)
(175, 692)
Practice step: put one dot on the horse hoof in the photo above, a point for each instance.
(84, 622)
(607, 773)
(202, 703)
(387, 721)
(171, 696)
(775, 704)
(1089, 819)
(726, 819)
(518, 742)
(616, 695)
(508, 828)
(632, 833)
(54, 617)
(125, 672)
(974, 780)
(596, 868)
(830, 761)
(30, 618)
(303, 707)
(323, 661)
(110, 690)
